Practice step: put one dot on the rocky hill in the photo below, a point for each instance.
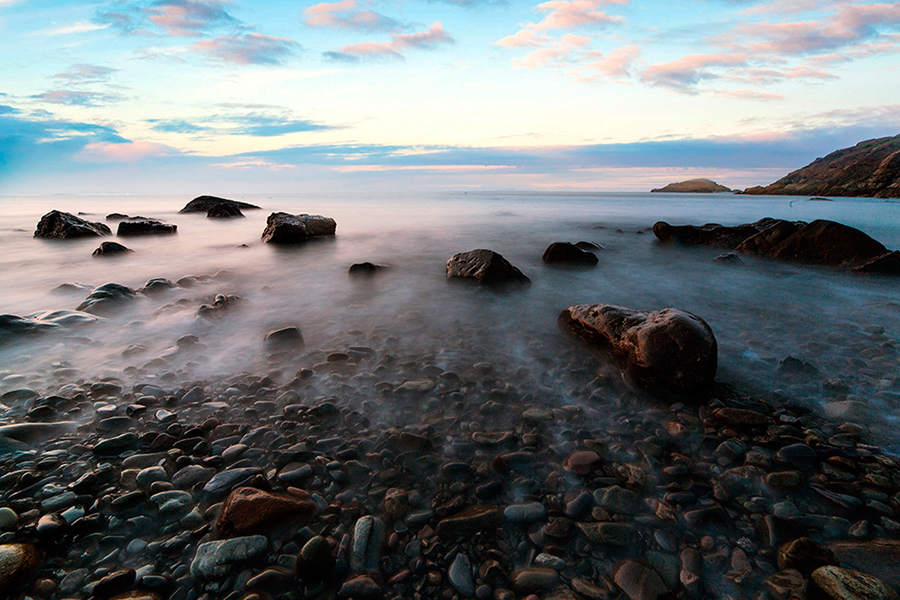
(868, 169)
(693, 186)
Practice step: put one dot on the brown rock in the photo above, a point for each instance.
(533, 579)
(581, 462)
(283, 228)
(761, 244)
(805, 555)
(639, 581)
(16, 562)
(249, 510)
(739, 417)
(671, 350)
(844, 584)
(469, 521)
(878, 557)
(787, 585)
(828, 243)
(711, 234)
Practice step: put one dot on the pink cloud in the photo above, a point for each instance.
(125, 152)
(346, 14)
(561, 14)
(563, 50)
(425, 40)
(616, 63)
(684, 72)
(249, 49)
(188, 17)
(749, 95)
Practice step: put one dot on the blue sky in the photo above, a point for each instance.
(165, 96)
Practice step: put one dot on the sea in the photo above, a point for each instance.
(843, 326)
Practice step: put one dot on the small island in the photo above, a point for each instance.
(694, 186)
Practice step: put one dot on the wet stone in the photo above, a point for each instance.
(215, 559)
(639, 581)
(533, 579)
(460, 576)
(524, 513)
(844, 584)
(617, 500)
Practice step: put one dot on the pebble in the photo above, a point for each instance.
(533, 579)
(460, 576)
(215, 559)
(639, 581)
(525, 513)
(8, 519)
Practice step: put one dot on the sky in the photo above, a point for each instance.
(269, 96)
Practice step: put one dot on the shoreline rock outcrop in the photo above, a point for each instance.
(58, 225)
(870, 169)
(821, 242)
(565, 253)
(145, 227)
(670, 350)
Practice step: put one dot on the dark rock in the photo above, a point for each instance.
(469, 521)
(786, 585)
(64, 226)
(106, 299)
(205, 203)
(762, 243)
(111, 249)
(283, 228)
(886, 264)
(728, 258)
(805, 555)
(21, 436)
(879, 557)
(13, 326)
(281, 340)
(114, 583)
(799, 455)
(220, 306)
(157, 286)
(116, 445)
(667, 351)
(367, 269)
(711, 234)
(224, 210)
(315, 561)
(249, 510)
(639, 581)
(217, 559)
(694, 186)
(361, 587)
(794, 366)
(116, 217)
(828, 243)
(145, 227)
(564, 253)
(869, 169)
(533, 579)
(222, 483)
(484, 267)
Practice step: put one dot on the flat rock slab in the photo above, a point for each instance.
(284, 228)
(214, 559)
(469, 521)
(249, 510)
(844, 584)
(145, 227)
(878, 557)
(669, 351)
(484, 267)
(64, 226)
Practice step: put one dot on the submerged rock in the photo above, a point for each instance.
(668, 351)
(145, 227)
(215, 559)
(107, 298)
(484, 267)
(564, 253)
(284, 228)
(367, 269)
(157, 286)
(12, 326)
(65, 318)
(21, 436)
(205, 203)
(16, 562)
(63, 226)
(283, 340)
(110, 249)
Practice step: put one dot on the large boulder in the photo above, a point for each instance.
(828, 243)
(224, 211)
(145, 227)
(16, 562)
(106, 299)
(484, 267)
(711, 234)
(284, 228)
(205, 203)
(668, 351)
(564, 253)
(762, 243)
(64, 226)
(249, 510)
(13, 326)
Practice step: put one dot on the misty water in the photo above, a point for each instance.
(762, 311)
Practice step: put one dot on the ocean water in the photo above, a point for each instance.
(845, 325)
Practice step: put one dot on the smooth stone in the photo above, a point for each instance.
(525, 513)
(617, 500)
(533, 579)
(215, 559)
(172, 501)
(639, 581)
(460, 576)
(469, 521)
(249, 510)
(611, 534)
(191, 476)
(315, 561)
(8, 519)
(361, 587)
(16, 562)
(148, 476)
(222, 483)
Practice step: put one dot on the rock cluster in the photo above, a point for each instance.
(820, 242)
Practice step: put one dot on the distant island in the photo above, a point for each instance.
(869, 169)
(693, 186)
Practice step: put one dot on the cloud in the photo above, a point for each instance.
(181, 18)
(123, 152)
(683, 73)
(616, 63)
(250, 124)
(347, 14)
(562, 14)
(557, 51)
(248, 49)
(85, 73)
(78, 98)
(79, 27)
(750, 95)
(7, 110)
(425, 40)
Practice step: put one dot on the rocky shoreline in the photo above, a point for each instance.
(370, 471)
